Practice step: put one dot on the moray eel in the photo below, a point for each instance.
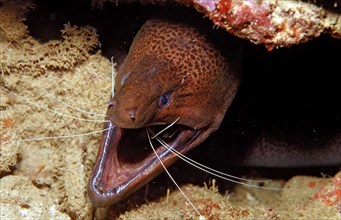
(178, 67)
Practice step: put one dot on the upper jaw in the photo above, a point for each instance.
(125, 162)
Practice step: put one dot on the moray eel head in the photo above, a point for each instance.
(173, 73)
(145, 95)
(153, 93)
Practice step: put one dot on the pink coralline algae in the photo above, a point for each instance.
(279, 23)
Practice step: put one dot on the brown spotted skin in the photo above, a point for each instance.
(201, 71)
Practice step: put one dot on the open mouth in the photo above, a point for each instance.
(126, 160)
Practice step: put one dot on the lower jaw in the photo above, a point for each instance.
(126, 161)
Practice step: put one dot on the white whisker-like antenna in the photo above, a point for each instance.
(211, 170)
(170, 125)
(50, 110)
(170, 176)
(198, 165)
(58, 137)
(204, 167)
(113, 75)
(75, 108)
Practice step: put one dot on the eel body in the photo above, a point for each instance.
(178, 69)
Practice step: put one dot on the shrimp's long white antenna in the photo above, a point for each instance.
(58, 137)
(50, 110)
(206, 169)
(197, 164)
(113, 75)
(75, 108)
(170, 176)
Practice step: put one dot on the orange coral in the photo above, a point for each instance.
(330, 196)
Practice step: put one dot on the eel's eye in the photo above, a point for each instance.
(164, 100)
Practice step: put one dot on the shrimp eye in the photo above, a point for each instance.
(164, 100)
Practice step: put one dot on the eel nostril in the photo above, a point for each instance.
(111, 103)
(132, 115)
